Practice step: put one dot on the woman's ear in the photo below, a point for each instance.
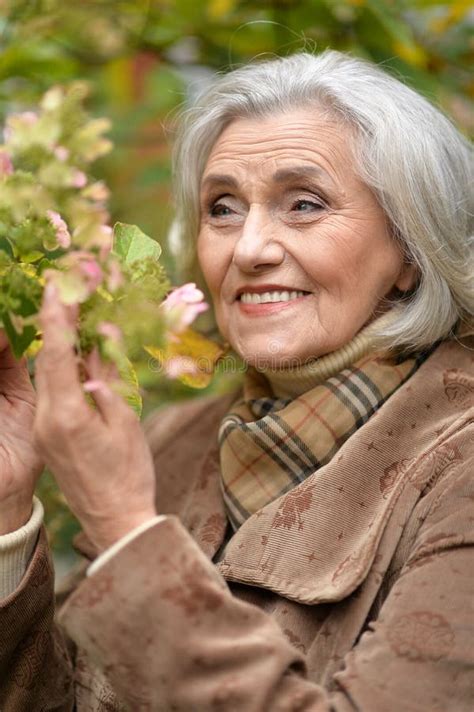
(407, 278)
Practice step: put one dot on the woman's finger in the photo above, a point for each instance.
(97, 368)
(102, 377)
(3, 340)
(57, 376)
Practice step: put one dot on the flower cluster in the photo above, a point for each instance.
(54, 224)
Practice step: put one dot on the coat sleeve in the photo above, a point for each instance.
(172, 636)
(16, 549)
(35, 657)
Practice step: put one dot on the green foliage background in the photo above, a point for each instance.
(143, 59)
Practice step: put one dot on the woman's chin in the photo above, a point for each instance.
(265, 360)
(264, 348)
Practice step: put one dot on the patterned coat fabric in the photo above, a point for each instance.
(352, 592)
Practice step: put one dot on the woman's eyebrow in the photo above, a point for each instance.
(280, 176)
(298, 172)
(219, 179)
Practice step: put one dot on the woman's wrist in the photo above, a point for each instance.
(15, 512)
(108, 533)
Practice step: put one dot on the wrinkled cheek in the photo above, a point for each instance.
(201, 255)
(212, 256)
(207, 266)
(222, 319)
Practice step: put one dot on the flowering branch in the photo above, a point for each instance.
(54, 225)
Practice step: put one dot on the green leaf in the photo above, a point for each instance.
(18, 342)
(31, 257)
(45, 264)
(128, 386)
(6, 246)
(131, 244)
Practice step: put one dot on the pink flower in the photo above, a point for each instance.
(179, 366)
(114, 277)
(92, 272)
(98, 192)
(110, 331)
(28, 117)
(104, 239)
(182, 306)
(79, 179)
(100, 237)
(62, 233)
(6, 165)
(77, 278)
(61, 153)
(187, 293)
(85, 266)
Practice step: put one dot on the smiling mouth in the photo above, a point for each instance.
(270, 297)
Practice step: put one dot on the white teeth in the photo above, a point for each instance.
(265, 297)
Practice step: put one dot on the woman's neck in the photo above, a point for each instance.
(293, 382)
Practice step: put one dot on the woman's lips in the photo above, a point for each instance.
(268, 307)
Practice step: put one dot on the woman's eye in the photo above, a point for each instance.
(306, 206)
(219, 210)
(220, 206)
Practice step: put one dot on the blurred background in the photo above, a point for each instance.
(145, 59)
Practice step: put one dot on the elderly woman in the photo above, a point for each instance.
(304, 544)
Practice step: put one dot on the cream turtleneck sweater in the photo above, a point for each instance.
(293, 382)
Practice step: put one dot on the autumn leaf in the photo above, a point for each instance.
(191, 358)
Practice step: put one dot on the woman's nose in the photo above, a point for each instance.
(258, 247)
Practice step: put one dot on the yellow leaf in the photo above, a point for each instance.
(105, 294)
(459, 8)
(454, 13)
(119, 74)
(193, 349)
(411, 53)
(128, 386)
(28, 269)
(217, 9)
(34, 348)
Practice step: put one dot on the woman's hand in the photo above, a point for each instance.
(20, 462)
(100, 458)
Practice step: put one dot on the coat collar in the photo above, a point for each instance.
(318, 542)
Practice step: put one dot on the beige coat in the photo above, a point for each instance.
(354, 591)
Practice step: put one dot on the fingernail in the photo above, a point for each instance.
(93, 385)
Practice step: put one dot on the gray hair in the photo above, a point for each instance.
(412, 157)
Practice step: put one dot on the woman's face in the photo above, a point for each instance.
(294, 247)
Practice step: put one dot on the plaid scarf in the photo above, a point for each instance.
(269, 445)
